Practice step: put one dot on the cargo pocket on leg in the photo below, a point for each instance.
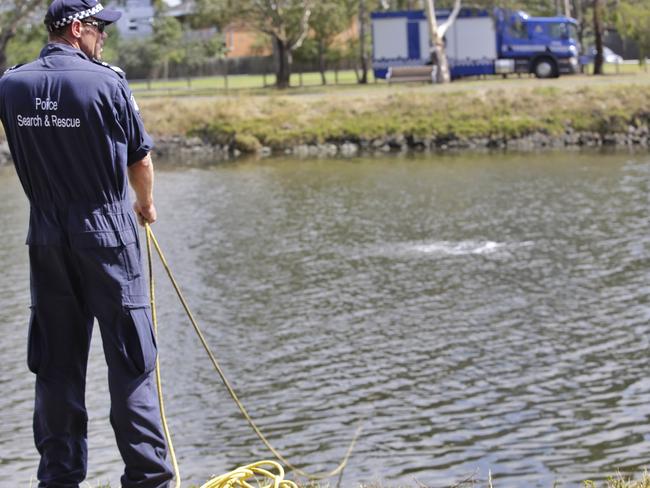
(130, 255)
(34, 349)
(140, 342)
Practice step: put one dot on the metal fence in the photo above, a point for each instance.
(250, 65)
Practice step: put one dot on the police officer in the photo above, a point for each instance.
(77, 140)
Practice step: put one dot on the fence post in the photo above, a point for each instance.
(336, 75)
(300, 76)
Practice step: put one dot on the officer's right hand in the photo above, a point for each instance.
(146, 213)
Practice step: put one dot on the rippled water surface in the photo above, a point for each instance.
(481, 312)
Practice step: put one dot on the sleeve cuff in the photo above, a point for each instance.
(140, 153)
(137, 156)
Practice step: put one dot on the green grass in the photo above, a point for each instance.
(615, 481)
(623, 68)
(221, 84)
(621, 481)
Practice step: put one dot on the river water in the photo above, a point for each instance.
(481, 312)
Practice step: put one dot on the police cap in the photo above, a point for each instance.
(64, 12)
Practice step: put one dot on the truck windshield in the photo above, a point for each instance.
(517, 30)
(562, 30)
(573, 31)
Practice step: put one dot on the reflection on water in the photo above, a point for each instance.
(481, 312)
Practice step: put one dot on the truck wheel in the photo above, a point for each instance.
(545, 68)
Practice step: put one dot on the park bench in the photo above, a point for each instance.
(411, 73)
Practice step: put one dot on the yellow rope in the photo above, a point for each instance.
(240, 476)
(161, 403)
(236, 478)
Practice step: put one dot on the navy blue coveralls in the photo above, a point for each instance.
(73, 128)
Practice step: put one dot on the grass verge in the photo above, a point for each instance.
(504, 109)
(219, 84)
(616, 481)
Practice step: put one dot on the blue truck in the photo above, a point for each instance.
(479, 42)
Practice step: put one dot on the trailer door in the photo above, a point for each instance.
(471, 38)
(390, 38)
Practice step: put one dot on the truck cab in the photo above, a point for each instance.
(545, 46)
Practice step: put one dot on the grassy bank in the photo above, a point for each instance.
(495, 108)
(620, 481)
(616, 481)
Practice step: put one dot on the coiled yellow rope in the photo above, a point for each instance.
(238, 477)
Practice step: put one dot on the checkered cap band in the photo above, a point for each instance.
(77, 15)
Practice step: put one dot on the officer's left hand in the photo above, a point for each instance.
(146, 213)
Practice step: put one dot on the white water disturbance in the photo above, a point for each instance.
(457, 248)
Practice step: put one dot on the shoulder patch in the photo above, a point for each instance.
(134, 103)
(117, 69)
(13, 67)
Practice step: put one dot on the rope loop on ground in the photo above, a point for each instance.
(261, 471)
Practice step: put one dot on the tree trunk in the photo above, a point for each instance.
(3, 60)
(598, 37)
(321, 61)
(363, 56)
(283, 64)
(441, 61)
(4, 40)
(439, 56)
(578, 8)
(579, 16)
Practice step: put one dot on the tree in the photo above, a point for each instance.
(26, 44)
(286, 22)
(167, 35)
(13, 15)
(136, 57)
(213, 13)
(583, 13)
(328, 19)
(437, 38)
(599, 30)
(633, 21)
(594, 18)
(578, 12)
(199, 51)
(360, 10)
(363, 50)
